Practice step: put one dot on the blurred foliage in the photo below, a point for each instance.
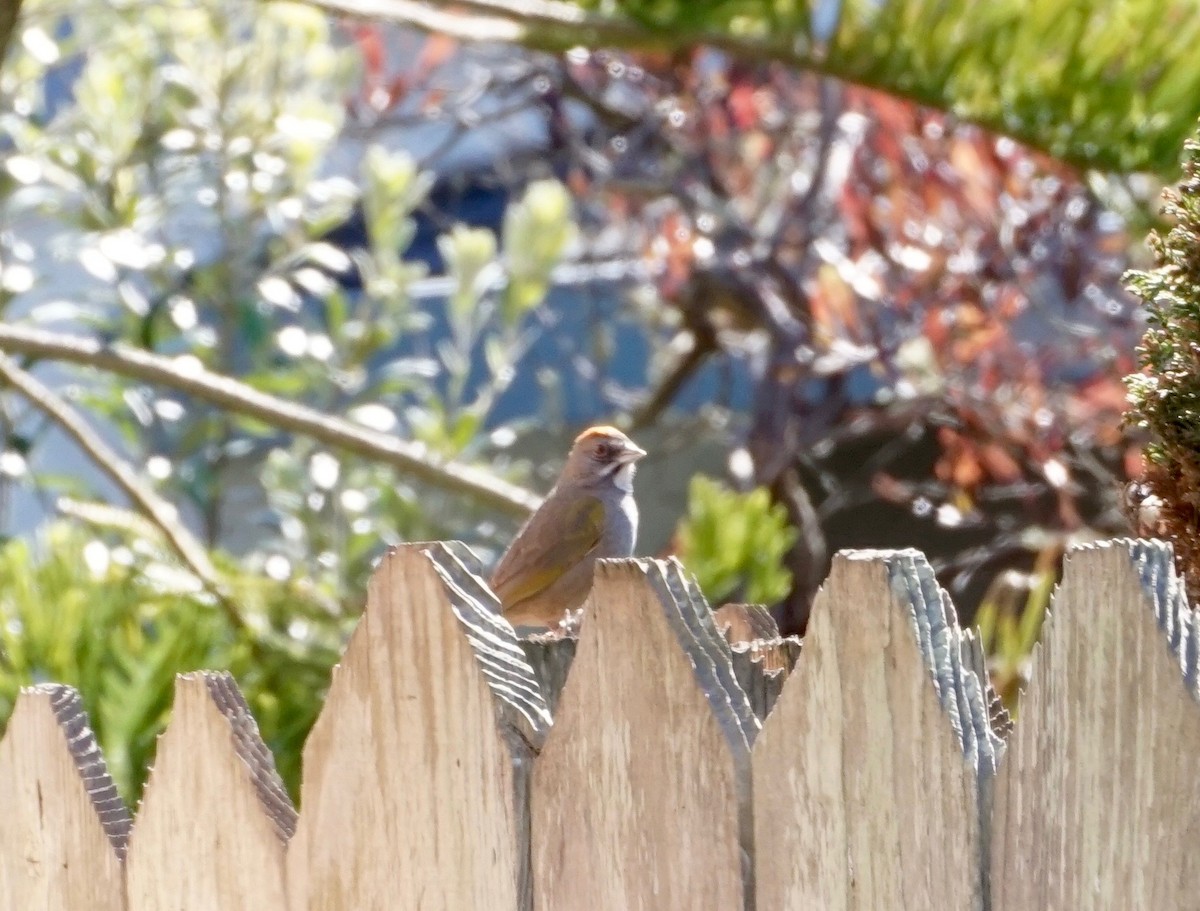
(1165, 397)
(537, 230)
(116, 618)
(1097, 83)
(175, 191)
(934, 315)
(1010, 619)
(178, 180)
(191, 185)
(734, 543)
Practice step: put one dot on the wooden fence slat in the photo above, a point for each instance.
(62, 825)
(519, 701)
(522, 712)
(881, 778)
(866, 789)
(641, 790)
(762, 659)
(689, 615)
(212, 830)
(974, 659)
(412, 782)
(1097, 804)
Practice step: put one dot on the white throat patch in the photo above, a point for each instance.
(623, 477)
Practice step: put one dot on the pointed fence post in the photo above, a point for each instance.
(1097, 803)
(641, 793)
(214, 822)
(63, 828)
(415, 774)
(868, 772)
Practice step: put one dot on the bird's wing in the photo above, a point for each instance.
(525, 570)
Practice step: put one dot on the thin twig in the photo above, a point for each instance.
(154, 508)
(189, 376)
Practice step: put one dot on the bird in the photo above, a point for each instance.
(589, 514)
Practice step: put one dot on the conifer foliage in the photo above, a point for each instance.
(1165, 397)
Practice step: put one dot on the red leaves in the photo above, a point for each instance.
(382, 86)
(982, 281)
(673, 250)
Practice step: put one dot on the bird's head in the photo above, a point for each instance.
(602, 454)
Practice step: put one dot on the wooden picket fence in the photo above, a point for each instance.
(453, 768)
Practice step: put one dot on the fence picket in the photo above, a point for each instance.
(64, 827)
(1097, 804)
(412, 784)
(865, 795)
(213, 826)
(433, 780)
(762, 659)
(640, 791)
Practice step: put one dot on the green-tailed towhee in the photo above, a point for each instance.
(589, 514)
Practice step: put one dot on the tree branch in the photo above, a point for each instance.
(552, 25)
(9, 11)
(157, 510)
(850, 54)
(429, 19)
(187, 375)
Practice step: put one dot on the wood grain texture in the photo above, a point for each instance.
(518, 699)
(522, 714)
(637, 793)
(1097, 805)
(865, 781)
(551, 657)
(409, 795)
(212, 830)
(62, 826)
(762, 659)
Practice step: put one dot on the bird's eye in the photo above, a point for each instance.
(603, 451)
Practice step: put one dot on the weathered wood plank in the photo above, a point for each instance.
(976, 661)
(640, 792)
(519, 701)
(1097, 804)
(550, 655)
(865, 774)
(762, 659)
(63, 828)
(412, 784)
(522, 713)
(212, 829)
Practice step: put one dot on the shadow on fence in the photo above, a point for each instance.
(688, 760)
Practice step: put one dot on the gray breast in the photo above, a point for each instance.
(621, 532)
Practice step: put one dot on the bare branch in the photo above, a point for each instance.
(429, 19)
(157, 510)
(189, 376)
(552, 25)
(9, 10)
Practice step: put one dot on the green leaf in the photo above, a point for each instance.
(393, 187)
(735, 543)
(467, 252)
(1112, 86)
(537, 231)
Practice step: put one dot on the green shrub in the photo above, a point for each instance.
(735, 543)
(1165, 397)
(118, 620)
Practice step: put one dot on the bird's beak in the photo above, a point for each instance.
(630, 453)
